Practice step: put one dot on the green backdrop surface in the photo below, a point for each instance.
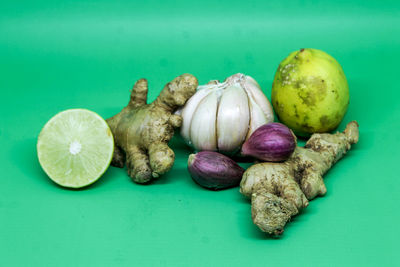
(87, 54)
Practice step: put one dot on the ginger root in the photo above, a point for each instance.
(142, 131)
(279, 191)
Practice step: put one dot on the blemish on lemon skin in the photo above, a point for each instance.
(296, 113)
(325, 121)
(278, 106)
(311, 90)
(286, 74)
(307, 98)
(307, 128)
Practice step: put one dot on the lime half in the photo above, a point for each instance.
(75, 147)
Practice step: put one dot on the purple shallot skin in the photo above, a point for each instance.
(214, 171)
(270, 142)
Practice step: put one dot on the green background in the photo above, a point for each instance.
(83, 54)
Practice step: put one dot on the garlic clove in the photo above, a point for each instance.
(254, 91)
(251, 80)
(235, 78)
(257, 117)
(189, 109)
(232, 119)
(202, 129)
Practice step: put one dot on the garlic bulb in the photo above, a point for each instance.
(221, 116)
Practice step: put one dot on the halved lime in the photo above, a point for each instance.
(75, 147)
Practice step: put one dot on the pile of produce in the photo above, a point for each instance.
(222, 122)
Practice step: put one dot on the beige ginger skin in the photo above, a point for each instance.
(279, 191)
(142, 131)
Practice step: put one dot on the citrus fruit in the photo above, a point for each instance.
(310, 93)
(75, 147)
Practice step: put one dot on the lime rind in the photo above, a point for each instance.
(75, 148)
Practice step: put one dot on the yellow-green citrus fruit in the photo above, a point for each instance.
(310, 93)
(75, 148)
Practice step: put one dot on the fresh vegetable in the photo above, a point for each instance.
(279, 191)
(221, 116)
(142, 131)
(75, 148)
(310, 93)
(270, 142)
(214, 171)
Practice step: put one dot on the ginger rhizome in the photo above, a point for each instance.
(279, 191)
(142, 131)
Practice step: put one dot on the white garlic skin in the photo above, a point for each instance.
(233, 119)
(222, 116)
(203, 126)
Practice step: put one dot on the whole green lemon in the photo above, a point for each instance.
(310, 93)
